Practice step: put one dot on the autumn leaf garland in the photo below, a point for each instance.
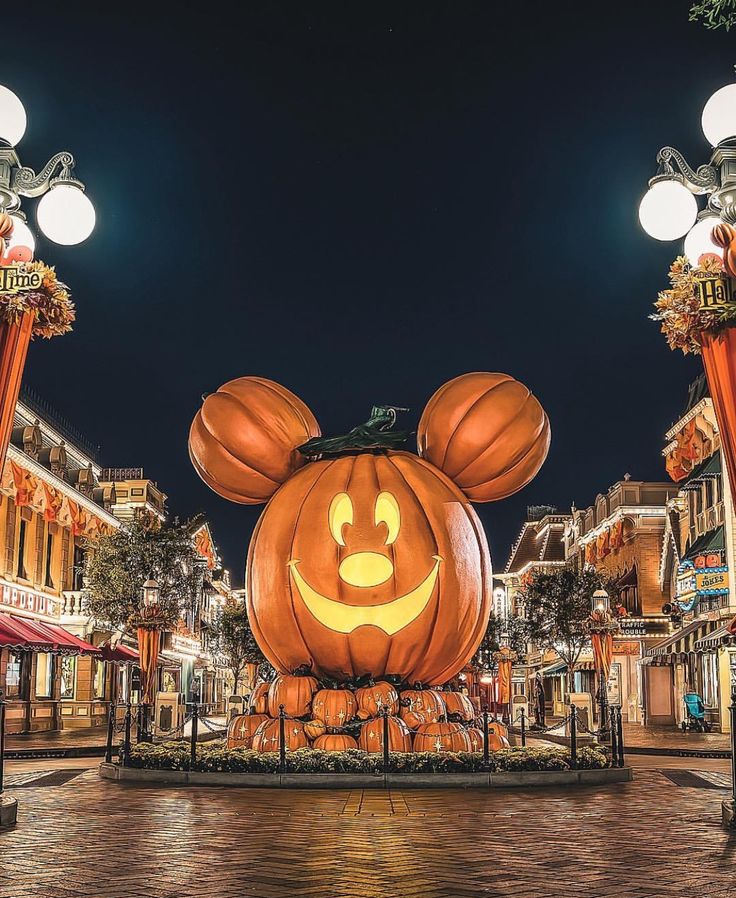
(51, 305)
(679, 310)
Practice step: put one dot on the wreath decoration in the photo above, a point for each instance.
(51, 304)
(679, 310)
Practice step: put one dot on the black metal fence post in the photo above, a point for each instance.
(603, 722)
(384, 714)
(126, 738)
(282, 739)
(486, 751)
(732, 711)
(110, 732)
(573, 737)
(2, 744)
(614, 735)
(522, 715)
(195, 733)
(620, 736)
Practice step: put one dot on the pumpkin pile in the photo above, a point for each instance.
(344, 718)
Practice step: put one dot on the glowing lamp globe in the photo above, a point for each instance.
(668, 210)
(22, 235)
(66, 214)
(699, 242)
(719, 115)
(12, 117)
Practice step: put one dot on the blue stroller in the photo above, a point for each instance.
(695, 710)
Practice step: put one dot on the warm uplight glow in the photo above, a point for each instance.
(66, 215)
(719, 115)
(389, 617)
(21, 236)
(12, 117)
(698, 241)
(668, 210)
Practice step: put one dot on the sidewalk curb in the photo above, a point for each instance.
(523, 778)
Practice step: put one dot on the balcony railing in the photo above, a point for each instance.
(72, 604)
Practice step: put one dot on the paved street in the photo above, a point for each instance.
(653, 837)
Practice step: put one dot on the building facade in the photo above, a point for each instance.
(621, 535)
(59, 668)
(696, 564)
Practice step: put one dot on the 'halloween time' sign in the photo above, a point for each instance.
(16, 279)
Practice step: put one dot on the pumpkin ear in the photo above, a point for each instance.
(243, 441)
(487, 432)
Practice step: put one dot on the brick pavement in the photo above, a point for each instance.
(674, 738)
(91, 838)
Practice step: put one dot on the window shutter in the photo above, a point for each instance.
(10, 538)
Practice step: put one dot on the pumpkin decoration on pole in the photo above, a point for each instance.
(369, 560)
(698, 315)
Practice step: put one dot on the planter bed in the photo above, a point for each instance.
(427, 780)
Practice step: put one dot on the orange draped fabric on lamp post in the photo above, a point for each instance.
(719, 360)
(14, 341)
(149, 641)
(602, 652)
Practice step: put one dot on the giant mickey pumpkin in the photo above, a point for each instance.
(370, 562)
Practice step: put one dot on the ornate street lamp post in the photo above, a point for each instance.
(149, 638)
(602, 640)
(32, 301)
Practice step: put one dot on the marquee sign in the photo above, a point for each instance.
(714, 292)
(695, 580)
(16, 279)
(27, 600)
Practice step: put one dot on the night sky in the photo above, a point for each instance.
(362, 201)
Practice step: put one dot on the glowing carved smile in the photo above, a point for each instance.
(391, 617)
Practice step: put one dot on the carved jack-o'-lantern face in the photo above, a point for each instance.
(372, 563)
(369, 564)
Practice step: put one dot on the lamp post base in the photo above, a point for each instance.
(8, 811)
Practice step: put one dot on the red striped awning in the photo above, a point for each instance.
(121, 654)
(27, 635)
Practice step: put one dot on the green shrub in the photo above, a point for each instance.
(215, 757)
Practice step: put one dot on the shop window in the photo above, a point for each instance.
(710, 679)
(68, 675)
(44, 675)
(98, 682)
(20, 571)
(78, 568)
(49, 577)
(15, 675)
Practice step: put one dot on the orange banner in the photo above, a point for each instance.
(602, 652)
(719, 361)
(53, 500)
(25, 485)
(148, 647)
(14, 340)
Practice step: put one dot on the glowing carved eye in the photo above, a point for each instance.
(387, 511)
(340, 513)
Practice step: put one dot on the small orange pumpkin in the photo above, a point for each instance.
(371, 735)
(267, 736)
(375, 698)
(363, 715)
(242, 729)
(243, 441)
(335, 706)
(438, 737)
(457, 703)
(476, 739)
(487, 432)
(315, 728)
(498, 735)
(259, 699)
(294, 693)
(335, 742)
(427, 702)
